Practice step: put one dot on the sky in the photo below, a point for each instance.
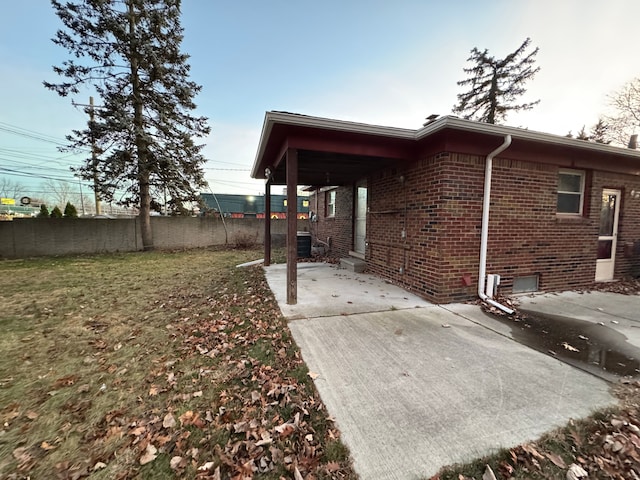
(371, 61)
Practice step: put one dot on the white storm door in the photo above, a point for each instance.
(608, 235)
(360, 226)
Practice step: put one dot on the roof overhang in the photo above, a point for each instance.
(334, 152)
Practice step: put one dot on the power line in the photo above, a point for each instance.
(18, 173)
(5, 127)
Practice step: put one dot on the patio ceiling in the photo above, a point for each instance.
(330, 168)
(329, 152)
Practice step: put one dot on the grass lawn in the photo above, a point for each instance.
(155, 365)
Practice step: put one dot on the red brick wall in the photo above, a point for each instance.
(439, 205)
(337, 230)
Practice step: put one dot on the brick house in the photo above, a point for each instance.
(561, 213)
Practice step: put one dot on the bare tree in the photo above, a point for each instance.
(624, 120)
(59, 192)
(10, 189)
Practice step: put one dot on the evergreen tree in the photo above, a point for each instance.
(44, 211)
(583, 135)
(599, 132)
(70, 211)
(143, 133)
(496, 84)
(56, 212)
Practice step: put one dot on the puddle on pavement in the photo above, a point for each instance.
(588, 345)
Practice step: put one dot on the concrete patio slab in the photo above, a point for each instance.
(414, 389)
(326, 289)
(617, 311)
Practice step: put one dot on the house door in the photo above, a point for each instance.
(608, 235)
(360, 225)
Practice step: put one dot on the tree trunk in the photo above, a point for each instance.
(493, 98)
(145, 209)
(141, 144)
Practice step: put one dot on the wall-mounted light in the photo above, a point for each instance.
(267, 174)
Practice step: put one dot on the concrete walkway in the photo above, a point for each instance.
(414, 386)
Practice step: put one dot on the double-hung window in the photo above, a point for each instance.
(331, 203)
(570, 192)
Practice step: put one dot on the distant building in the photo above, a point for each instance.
(250, 206)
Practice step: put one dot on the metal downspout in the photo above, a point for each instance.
(484, 239)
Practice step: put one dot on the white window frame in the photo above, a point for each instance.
(582, 176)
(331, 203)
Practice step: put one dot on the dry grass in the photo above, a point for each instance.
(97, 350)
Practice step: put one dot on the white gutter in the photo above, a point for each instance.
(485, 227)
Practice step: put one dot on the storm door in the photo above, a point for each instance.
(608, 235)
(360, 223)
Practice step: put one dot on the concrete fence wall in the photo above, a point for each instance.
(52, 236)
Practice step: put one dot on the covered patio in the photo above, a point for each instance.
(298, 150)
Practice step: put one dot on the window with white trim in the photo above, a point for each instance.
(331, 203)
(570, 192)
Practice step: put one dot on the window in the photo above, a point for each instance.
(570, 192)
(331, 203)
(525, 284)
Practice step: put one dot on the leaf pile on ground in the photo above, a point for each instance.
(625, 286)
(159, 365)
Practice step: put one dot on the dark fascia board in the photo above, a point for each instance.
(442, 123)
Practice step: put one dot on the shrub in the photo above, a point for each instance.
(44, 211)
(245, 240)
(70, 211)
(56, 213)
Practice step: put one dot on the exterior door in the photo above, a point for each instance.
(608, 235)
(360, 225)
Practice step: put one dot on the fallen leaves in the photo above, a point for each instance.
(149, 454)
(569, 347)
(169, 421)
(225, 396)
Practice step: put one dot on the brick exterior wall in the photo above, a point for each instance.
(336, 230)
(437, 203)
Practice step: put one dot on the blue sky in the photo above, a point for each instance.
(380, 62)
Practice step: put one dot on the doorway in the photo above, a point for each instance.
(360, 222)
(608, 234)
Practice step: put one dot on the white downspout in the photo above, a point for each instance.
(485, 227)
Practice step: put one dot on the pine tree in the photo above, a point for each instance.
(599, 132)
(70, 211)
(56, 212)
(44, 211)
(583, 135)
(496, 84)
(143, 133)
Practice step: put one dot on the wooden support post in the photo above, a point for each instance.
(292, 226)
(267, 223)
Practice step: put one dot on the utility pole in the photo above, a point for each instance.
(94, 157)
(81, 198)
